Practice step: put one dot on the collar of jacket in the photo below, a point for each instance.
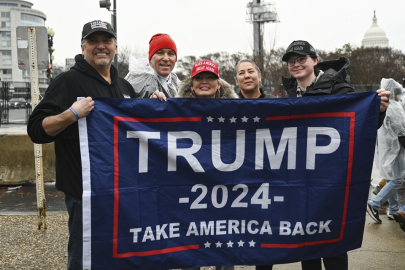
(225, 90)
(262, 94)
(83, 66)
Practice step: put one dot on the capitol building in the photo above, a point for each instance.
(375, 36)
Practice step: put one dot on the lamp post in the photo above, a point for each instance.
(107, 4)
(258, 13)
(51, 34)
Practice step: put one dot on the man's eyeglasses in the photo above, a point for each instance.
(301, 60)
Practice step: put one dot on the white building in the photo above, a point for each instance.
(375, 36)
(15, 13)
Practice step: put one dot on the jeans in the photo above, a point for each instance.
(75, 244)
(388, 193)
(264, 267)
(402, 208)
(339, 262)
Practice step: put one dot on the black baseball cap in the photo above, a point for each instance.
(301, 47)
(97, 26)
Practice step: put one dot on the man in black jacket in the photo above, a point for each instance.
(55, 118)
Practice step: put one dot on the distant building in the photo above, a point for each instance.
(15, 13)
(375, 36)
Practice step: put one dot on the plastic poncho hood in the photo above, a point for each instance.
(389, 156)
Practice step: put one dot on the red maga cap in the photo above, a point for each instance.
(205, 65)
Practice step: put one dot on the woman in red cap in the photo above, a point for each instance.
(206, 83)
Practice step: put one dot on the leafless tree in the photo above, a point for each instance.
(123, 60)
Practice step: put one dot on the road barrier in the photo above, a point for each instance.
(17, 165)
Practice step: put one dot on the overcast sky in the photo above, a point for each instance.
(203, 26)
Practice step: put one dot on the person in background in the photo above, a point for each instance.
(206, 83)
(156, 75)
(55, 118)
(248, 78)
(389, 156)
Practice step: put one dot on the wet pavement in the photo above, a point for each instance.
(23, 246)
(22, 199)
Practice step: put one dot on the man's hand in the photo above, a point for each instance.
(158, 95)
(53, 125)
(84, 106)
(385, 99)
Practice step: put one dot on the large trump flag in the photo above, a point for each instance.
(199, 182)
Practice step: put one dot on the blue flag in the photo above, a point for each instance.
(200, 182)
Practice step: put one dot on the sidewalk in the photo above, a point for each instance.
(22, 246)
(8, 129)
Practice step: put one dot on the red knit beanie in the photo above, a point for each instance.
(161, 41)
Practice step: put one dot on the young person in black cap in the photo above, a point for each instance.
(310, 78)
(55, 118)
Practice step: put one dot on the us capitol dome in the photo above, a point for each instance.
(375, 36)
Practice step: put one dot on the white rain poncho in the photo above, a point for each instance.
(145, 80)
(389, 156)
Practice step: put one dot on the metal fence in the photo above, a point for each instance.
(15, 101)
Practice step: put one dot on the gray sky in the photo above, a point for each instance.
(204, 26)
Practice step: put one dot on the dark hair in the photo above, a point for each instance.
(316, 69)
(249, 61)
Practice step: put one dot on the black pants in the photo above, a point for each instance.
(339, 262)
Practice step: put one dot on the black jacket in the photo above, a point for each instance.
(262, 94)
(82, 80)
(334, 81)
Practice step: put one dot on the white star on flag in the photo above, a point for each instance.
(209, 119)
(233, 119)
(221, 119)
(244, 119)
(207, 245)
(219, 244)
(240, 243)
(252, 244)
(230, 244)
(256, 119)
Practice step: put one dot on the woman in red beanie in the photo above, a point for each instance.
(155, 76)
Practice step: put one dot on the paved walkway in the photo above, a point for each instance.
(22, 246)
(7, 129)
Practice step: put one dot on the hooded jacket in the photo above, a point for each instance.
(334, 80)
(145, 80)
(82, 80)
(390, 153)
(225, 90)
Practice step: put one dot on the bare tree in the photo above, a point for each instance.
(123, 60)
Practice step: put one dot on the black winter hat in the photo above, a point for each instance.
(301, 47)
